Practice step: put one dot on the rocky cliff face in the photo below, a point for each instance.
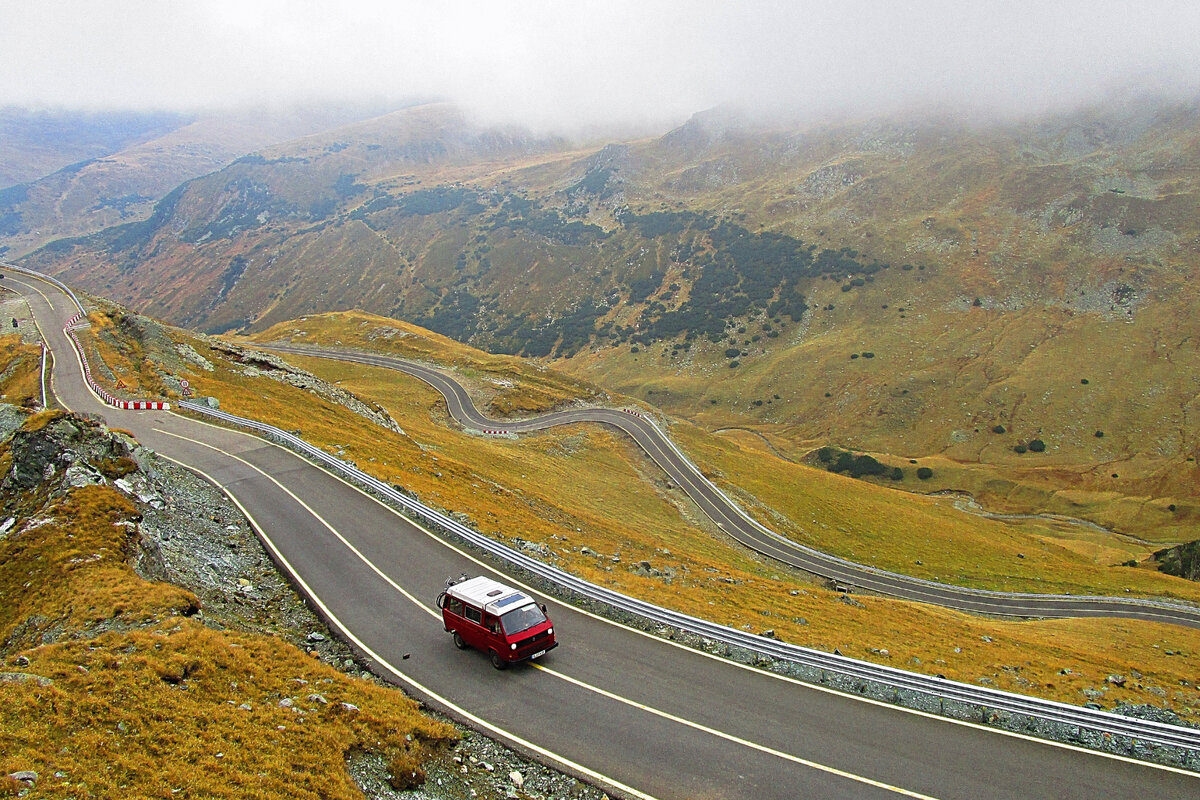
(1182, 560)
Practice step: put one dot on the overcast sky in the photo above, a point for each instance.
(569, 63)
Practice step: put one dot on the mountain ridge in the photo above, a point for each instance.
(893, 286)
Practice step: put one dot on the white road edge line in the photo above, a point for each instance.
(573, 681)
(787, 679)
(731, 738)
(426, 691)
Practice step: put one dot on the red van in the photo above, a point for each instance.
(501, 621)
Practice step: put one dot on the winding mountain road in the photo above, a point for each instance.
(733, 521)
(640, 716)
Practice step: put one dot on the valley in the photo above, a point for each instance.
(960, 353)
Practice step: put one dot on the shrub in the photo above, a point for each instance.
(855, 465)
(1037, 446)
(1099, 434)
(734, 364)
(998, 429)
(1020, 448)
(897, 474)
(853, 356)
(732, 352)
(1171, 507)
(924, 473)
(866, 465)
(1083, 381)
(844, 463)
(868, 355)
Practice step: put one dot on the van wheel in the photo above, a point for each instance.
(458, 642)
(498, 662)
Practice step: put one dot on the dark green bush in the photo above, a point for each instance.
(854, 465)
(1020, 448)
(998, 429)
(1037, 446)
(924, 473)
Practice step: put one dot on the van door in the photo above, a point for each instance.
(495, 635)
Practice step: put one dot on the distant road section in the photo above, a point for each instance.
(733, 521)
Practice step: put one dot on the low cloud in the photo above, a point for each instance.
(554, 65)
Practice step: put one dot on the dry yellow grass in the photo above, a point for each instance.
(928, 537)
(135, 700)
(588, 487)
(20, 372)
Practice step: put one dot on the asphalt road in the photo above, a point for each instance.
(730, 519)
(636, 714)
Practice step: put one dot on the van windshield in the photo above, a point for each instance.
(522, 619)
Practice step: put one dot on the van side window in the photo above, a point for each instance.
(454, 606)
(493, 624)
(473, 614)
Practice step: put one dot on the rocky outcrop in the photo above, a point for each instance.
(1182, 560)
(255, 363)
(63, 451)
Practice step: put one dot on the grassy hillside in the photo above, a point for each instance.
(20, 379)
(586, 500)
(117, 685)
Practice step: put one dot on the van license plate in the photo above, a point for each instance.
(538, 653)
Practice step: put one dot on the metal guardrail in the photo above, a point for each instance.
(821, 564)
(49, 278)
(69, 329)
(1139, 602)
(1098, 729)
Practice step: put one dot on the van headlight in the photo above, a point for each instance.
(550, 631)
